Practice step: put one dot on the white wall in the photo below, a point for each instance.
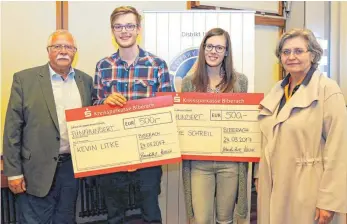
(338, 65)
(266, 63)
(314, 15)
(296, 16)
(317, 17)
(24, 35)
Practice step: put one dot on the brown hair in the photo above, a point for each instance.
(200, 77)
(122, 10)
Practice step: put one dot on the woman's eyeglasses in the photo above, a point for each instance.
(295, 51)
(218, 48)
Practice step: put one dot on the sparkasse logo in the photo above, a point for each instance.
(87, 113)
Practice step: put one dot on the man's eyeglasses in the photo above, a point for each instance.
(295, 51)
(59, 47)
(219, 48)
(128, 27)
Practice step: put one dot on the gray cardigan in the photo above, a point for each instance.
(241, 85)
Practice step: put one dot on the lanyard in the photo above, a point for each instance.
(286, 89)
(286, 92)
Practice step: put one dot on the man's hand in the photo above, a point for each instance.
(324, 216)
(17, 186)
(115, 99)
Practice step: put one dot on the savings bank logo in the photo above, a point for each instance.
(87, 113)
(181, 65)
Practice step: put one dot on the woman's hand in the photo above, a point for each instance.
(324, 216)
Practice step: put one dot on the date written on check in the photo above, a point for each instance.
(106, 139)
(220, 127)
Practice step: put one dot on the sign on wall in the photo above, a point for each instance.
(176, 37)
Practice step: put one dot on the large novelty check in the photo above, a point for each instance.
(107, 139)
(220, 127)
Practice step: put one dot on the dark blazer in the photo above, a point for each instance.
(31, 135)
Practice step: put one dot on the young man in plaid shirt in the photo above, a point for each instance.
(130, 73)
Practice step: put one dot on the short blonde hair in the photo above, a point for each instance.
(57, 33)
(122, 10)
(312, 43)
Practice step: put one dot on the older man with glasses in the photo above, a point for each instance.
(36, 147)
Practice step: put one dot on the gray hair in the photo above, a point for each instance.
(312, 43)
(60, 32)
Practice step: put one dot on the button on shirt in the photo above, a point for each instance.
(66, 96)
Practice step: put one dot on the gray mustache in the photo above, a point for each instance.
(63, 57)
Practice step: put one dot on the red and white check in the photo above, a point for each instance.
(218, 126)
(106, 139)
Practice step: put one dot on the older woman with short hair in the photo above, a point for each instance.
(302, 175)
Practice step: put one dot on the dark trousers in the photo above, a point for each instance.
(115, 188)
(58, 207)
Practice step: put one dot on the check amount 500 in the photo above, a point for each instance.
(147, 120)
(234, 115)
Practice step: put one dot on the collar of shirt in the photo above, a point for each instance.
(55, 76)
(286, 83)
(305, 81)
(118, 60)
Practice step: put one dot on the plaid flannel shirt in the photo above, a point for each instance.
(147, 75)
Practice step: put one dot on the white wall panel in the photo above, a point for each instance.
(174, 35)
(150, 37)
(163, 35)
(211, 20)
(187, 26)
(224, 21)
(248, 49)
(199, 28)
(236, 32)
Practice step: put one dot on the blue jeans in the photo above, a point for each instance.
(115, 188)
(58, 207)
(214, 180)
